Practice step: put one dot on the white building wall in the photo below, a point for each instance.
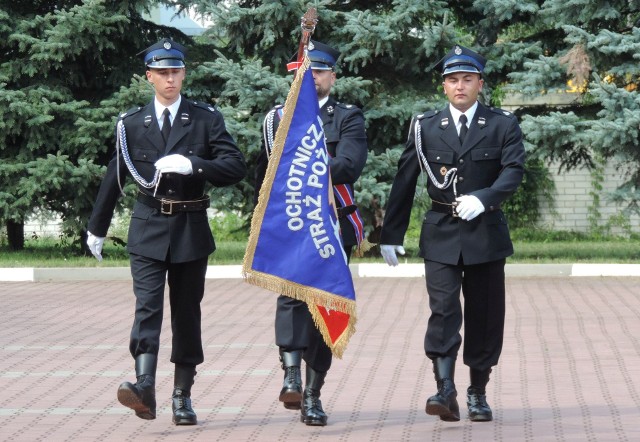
(570, 207)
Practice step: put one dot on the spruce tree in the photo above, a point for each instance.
(589, 48)
(67, 70)
(388, 49)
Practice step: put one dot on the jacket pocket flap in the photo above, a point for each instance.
(490, 153)
(440, 156)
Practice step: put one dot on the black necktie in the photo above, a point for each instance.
(463, 128)
(166, 125)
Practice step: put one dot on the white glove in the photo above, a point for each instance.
(174, 163)
(95, 245)
(389, 253)
(468, 207)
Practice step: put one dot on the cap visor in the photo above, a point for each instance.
(319, 66)
(166, 63)
(461, 68)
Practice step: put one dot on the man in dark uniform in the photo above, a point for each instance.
(296, 334)
(171, 147)
(474, 158)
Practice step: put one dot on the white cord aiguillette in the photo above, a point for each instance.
(449, 178)
(121, 144)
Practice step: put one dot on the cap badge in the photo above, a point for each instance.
(167, 45)
(458, 50)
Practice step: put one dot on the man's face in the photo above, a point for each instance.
(324, 80)
(462, 89)
(167, 83)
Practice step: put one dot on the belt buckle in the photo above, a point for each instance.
(454, 213)
(165, 203)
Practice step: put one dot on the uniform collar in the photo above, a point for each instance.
(323, 102)
(470, 113)
(173, 108)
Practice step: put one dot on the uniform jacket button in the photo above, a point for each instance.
(460, 178)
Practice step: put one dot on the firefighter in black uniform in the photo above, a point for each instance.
(296, 335)
(473, 156)
(172, 148)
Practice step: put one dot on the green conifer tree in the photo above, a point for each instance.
(586, 48)
(67, 70)
(388, 49)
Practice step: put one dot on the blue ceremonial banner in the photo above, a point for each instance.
(294, 247)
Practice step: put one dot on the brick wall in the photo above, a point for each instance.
(573, 199)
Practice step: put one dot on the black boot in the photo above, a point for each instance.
(444, 403)
(183, 414)
(479, 410)
(141, 396)
(312, 412)
(291, 393)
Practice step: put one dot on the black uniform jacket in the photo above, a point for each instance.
(344, 131)
(199, 133)
(490, 166)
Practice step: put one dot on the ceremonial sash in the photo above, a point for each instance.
(342, 192)
(294, 246)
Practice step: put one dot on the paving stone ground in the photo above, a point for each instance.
(570, 369)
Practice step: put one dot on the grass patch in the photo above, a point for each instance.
(531, 246)
(49, 254)
(619, 251)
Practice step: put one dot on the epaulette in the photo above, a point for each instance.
(427, 114)
(205, 106)
(133, 110)
(502, 112)
(345, 105)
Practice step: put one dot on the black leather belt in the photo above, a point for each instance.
(169, 207)
(449, 208)
(344, 212)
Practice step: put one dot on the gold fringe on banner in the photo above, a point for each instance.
(313, 297)
(337, 348)
(272, 167)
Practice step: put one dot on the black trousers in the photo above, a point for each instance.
(483, 288)
(186, 290)
(295, 330)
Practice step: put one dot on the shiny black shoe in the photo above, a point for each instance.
(479, 410)
(140, 397)
(183, 414)
(444, 402)
(291, 393)
(312, 412)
